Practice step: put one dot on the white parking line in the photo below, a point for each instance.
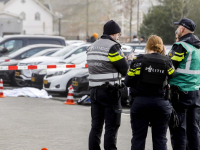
(126, 114)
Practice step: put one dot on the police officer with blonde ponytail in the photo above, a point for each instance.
(147, 81)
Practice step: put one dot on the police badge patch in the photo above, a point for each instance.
(171, 53)
(121, 53)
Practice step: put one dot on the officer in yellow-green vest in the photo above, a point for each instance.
(185, 56)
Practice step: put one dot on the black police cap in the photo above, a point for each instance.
(187, 23)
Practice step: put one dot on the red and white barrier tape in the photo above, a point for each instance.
(33, 67)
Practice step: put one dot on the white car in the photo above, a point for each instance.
(168, 48)
(27, 51)
(69, 42)
(139, 48)
(8, 76)
(46, 52)
(126, 49)
(62, 54)
(58, 80)
(25, 75)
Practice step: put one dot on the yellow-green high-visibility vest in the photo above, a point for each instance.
(188, 71)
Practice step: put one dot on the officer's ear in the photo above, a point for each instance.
(182, 29)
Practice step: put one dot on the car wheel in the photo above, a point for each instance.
(19, 82)
(67, 86)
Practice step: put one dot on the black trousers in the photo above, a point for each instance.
(188, 131)
(104, 108)
(154, 111)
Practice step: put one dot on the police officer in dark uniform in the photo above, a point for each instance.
(106, 64)
(147, 78)
(185, 56)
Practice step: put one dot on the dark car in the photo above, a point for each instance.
(138, 46)
(37, 79)
(80, 84)
(14, 42)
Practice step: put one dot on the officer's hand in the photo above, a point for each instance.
(131, 56)
(164, 51)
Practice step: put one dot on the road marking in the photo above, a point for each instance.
(126, 114)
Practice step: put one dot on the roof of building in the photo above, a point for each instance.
(47, 7)
(33, 36)
(10, 14)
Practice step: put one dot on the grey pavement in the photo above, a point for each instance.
(32, 123)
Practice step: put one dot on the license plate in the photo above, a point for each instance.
(33, 79)
(17, 74)
(45, 82)
(75, 83)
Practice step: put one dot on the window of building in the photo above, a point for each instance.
(23, 15)
(37, 16)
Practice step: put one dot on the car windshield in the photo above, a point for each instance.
(64, 51)
(44, 52)
(17, 52)
(73, 57)
(138, 47)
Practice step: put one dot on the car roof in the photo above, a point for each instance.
(73, 50)
(24, 49)
(32, 36)
(43, 45)
(126, 48)
(87, 44)
(135, 44)
(45, 51)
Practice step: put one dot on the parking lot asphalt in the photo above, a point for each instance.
(34, 123)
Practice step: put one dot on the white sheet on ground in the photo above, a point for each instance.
(27, 91)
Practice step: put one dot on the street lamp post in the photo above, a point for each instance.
(59, 16)
(59, 26)
(138, 19)
(87, 18)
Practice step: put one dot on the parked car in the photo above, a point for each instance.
(38, 75)
(59, 80)
(126, 49)
(80, 83)
(46, 52)
(27, 51)
(14, 42)
(8, 76)
(25, 75)
(69, 42)
(138, 48)
(168, 48)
